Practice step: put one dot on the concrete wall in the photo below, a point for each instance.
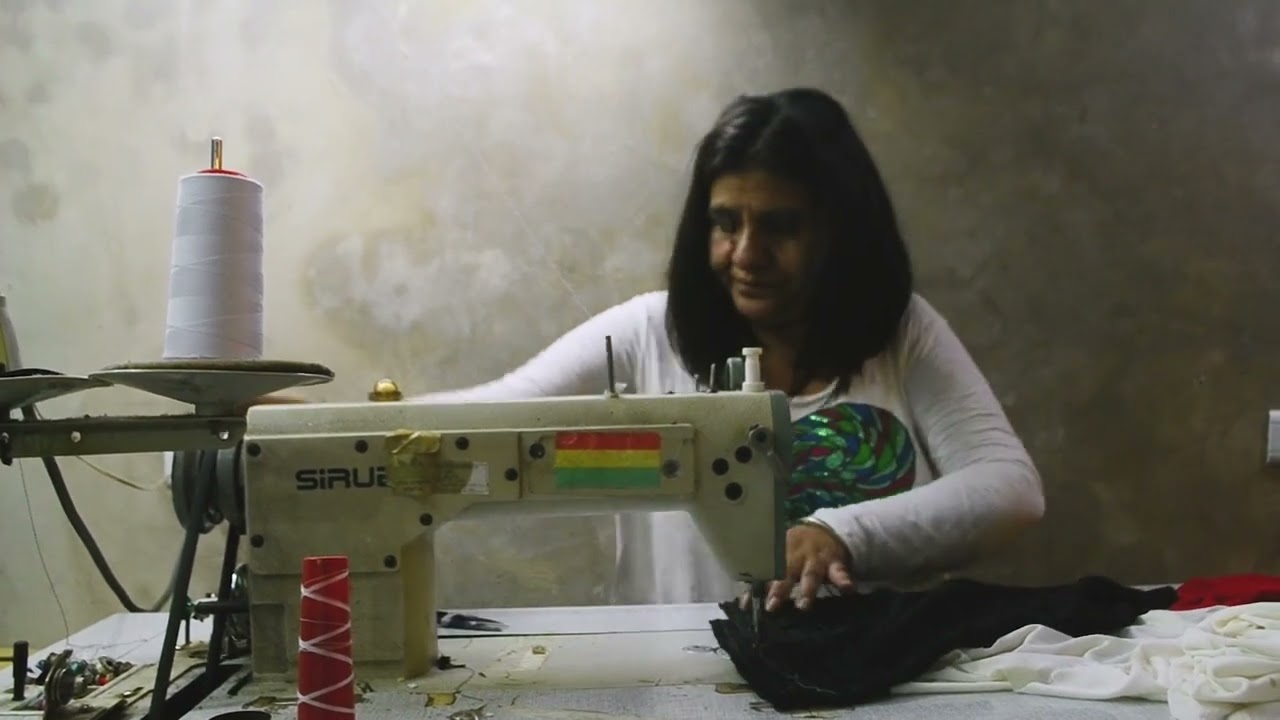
(1087, 188)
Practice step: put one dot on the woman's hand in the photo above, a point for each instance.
(814, 556)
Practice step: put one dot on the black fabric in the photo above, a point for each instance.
(853, 649)
(458, 621)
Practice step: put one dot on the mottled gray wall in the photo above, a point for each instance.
(1091, 194)
(451, 185)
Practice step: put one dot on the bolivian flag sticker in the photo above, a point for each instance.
(608, 460)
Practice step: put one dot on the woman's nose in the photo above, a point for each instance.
(749, 251)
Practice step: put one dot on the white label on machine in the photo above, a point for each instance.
(167, 473)
(478, 483)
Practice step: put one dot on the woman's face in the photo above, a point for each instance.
(762, 239)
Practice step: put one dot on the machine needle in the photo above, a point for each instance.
(758, 590)
(612, 390)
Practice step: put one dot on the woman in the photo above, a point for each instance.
(905, 463)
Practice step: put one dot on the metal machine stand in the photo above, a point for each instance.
(207, 487)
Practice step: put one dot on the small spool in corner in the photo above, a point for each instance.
(326, 674)
(752, 381)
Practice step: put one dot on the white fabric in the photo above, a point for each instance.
(985, 486)
(1212, 664)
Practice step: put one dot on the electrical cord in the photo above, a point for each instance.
(86, 537)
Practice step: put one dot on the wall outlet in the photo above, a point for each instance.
(1273, 437)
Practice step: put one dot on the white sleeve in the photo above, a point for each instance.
(575, 364)
(987, 487)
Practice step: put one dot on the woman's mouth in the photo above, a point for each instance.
(753, 289)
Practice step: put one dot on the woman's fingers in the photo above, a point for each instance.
(838, 575)
(779, 594)
(815, 573)
(811, 578)
(814, 558)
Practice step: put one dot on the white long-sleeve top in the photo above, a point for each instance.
(915, 466)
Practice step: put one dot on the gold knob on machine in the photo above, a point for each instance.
(386, 390)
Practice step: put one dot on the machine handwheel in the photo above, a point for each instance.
(222, 467)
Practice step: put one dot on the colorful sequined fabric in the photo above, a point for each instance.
(846, 454)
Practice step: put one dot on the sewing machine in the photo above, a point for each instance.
(374, 481)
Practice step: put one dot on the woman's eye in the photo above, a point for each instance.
(781, 224)
(724, 222)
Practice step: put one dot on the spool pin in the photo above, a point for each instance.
(215, 161)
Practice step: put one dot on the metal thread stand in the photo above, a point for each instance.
(178, 603)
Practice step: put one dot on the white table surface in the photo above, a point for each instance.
(580, 663)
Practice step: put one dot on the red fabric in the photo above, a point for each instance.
(326, 679)
(1206, 592)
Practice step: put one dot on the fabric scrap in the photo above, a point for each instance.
(1205, 664)
(850, 650)
(1227, 590)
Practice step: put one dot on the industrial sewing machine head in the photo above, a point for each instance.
(373, 481)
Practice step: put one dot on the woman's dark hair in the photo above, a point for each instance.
(861, 276)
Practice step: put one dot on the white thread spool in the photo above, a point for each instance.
(751, 370)
(215, 278)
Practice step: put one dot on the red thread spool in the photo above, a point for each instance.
(326, 675)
